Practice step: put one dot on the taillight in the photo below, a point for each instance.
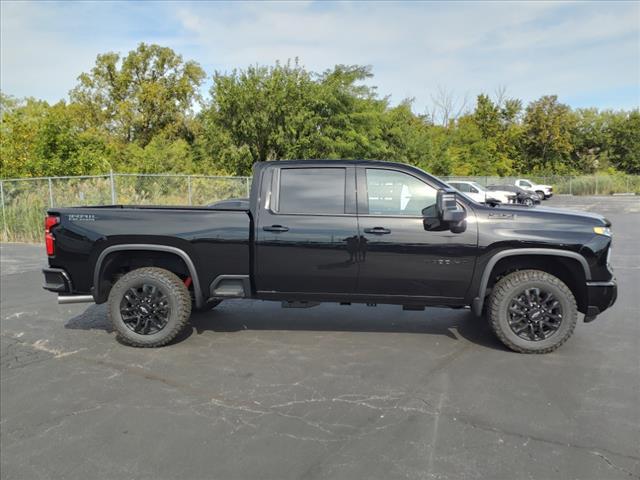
(49, 222)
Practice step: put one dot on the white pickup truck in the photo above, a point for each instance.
(543, 191)
(480, 194)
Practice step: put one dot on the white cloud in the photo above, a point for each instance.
(532, 48)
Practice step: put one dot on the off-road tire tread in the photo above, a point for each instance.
(513, 279)
(176, 286)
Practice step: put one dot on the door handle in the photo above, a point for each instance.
(377, 230)
(275, 228)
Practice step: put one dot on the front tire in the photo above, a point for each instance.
(148, 307)
(541, 195)
(527, 202)
(532, 311)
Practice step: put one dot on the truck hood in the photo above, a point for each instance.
(556, 215)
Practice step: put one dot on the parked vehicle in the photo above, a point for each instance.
(336, 231)
(480, 194)
(522, 196)
(543, 191)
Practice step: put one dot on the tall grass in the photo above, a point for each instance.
(26, 201)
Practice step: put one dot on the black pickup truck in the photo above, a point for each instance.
(336, 231)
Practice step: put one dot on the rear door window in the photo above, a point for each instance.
(312, 191)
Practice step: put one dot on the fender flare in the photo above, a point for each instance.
(149, 247)
(478, 301)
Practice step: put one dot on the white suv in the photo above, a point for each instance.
(543, 191)
(480, 194)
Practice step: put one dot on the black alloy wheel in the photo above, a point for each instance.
(535, 314)
(532, 311)
(145, 309)
(149, 307)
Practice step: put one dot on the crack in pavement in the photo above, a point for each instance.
(359, 400)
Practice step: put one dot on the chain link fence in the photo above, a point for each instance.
(24, 201)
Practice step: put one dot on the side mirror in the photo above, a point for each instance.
(448, 209)
(445, 214)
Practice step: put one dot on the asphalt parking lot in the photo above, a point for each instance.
(256, 391)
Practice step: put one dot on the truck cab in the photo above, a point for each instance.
(544, 192)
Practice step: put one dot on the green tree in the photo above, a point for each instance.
(42, 140)
(625, 142)
(547, 135)
(349, 116)
(284, 111)
(148, 92)
(591, 139)
(501, 133)
(262, 110)
(406, 136)
(470, 152)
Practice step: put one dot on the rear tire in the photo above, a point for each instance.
(532, 311)
(148, 307)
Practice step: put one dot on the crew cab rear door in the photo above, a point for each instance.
(401, 258)
(307, 230)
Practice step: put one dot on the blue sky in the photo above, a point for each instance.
(586, 52)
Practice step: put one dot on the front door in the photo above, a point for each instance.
(307, 232)
(401, 258)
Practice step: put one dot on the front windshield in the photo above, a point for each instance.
(460, 192)
(478, 186)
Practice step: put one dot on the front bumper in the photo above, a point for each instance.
(600, 296)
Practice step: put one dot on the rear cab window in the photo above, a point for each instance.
(319, 191)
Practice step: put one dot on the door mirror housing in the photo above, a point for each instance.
(445, 214)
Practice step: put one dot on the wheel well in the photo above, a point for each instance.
(568, 270)
(117, 264)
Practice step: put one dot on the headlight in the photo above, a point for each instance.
(602, 231)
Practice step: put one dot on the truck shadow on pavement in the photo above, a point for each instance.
(458, 325)
(93, 318)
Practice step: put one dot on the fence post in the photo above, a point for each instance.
(4, 215)
(189, 188)
(570, 188)
(248, 179)
(50, 193)
(596, 184)
(113, 188)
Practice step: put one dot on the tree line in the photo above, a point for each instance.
(142, 112)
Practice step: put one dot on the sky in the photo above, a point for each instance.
(588, 53)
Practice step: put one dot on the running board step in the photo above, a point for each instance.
(417, 308)
(297, 304)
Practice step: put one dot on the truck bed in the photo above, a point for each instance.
(216, 239)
